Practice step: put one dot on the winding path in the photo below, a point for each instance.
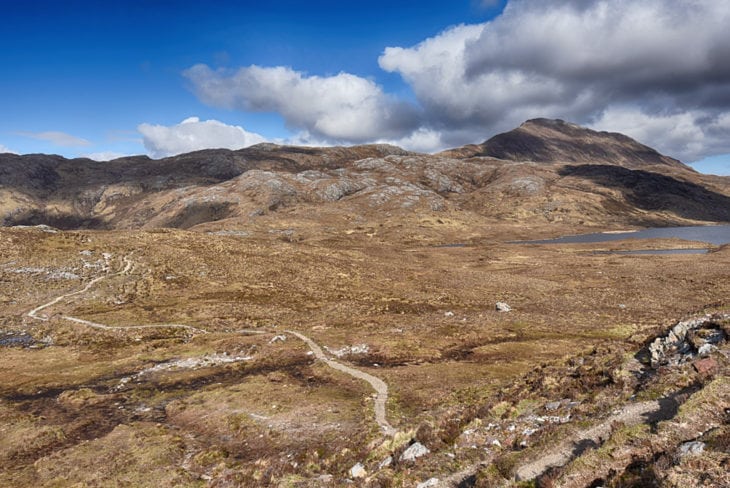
(380, 387)
(97, 325)
(34, 313)
(629, 415)
(576, 444)
(127, 268)
(124, 271)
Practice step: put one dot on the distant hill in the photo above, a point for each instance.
(552, 141)
(543, 171)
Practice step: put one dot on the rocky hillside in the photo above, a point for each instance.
(542, 172)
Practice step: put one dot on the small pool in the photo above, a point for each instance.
(655, 251)
(712, 234)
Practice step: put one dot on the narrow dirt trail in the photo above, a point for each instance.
(576, 444)
(381, 389)
(124, 271)
(97, 325)
(34, 313)
(570, 448)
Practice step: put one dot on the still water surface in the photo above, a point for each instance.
(711, 234)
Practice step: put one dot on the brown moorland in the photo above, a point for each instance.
(392, 263)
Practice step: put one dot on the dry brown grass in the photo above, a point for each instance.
(392, 291)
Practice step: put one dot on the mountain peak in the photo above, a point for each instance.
(554, 140)
(541, 121)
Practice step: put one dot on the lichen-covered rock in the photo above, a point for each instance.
(684, 340)
(414, 451)
(385, 462)
(694, 448)
(503, 307)
(358, 471)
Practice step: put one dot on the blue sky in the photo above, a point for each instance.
(107, 78)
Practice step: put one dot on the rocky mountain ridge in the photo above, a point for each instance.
(543, 171)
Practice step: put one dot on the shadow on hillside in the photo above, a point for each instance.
(657, 192)
(197, 214)
(58, 221)
(669, 406)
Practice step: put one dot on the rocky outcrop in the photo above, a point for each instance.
(687, 339)
(543, 171)
(414, 451)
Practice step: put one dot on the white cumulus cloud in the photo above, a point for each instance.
(666, 62)
(343, 107)
(192, 134)
(56, 137)
(104, 155)
(678, 133)
(422, 140)
(658, 70)
(4, 149)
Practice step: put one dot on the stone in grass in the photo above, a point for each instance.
(693, 448)
(553, 405)
(428, 483)
(706, 350)
(503, 307)
(277, 338)
(358, 471)
(414, 451)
